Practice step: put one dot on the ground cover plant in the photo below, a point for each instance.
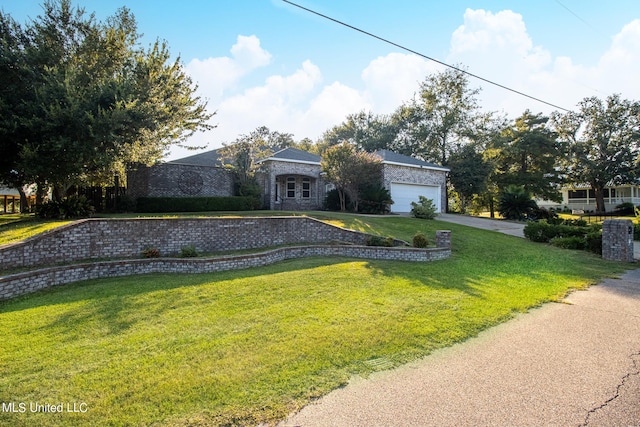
(250, 346)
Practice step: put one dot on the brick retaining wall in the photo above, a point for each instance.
(127, 238)
(95, 239)
(24, 283)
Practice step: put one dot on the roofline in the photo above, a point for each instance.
(437, 168)
(276, 159)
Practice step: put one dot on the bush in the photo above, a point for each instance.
(516, 203)
(593, 242)
(69, 207)
(332, 200)
(374, 200)
(625, 209)
(574, 242)
(151, 253)
(423, 209)
(197, 204)
(188, 252)
(543, 232)
(420, 241)
(379, 241)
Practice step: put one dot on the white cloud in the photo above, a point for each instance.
(495, 46)
(219, 74)
(393, 79)
(498, 48)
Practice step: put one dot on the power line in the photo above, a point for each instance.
(577, 16)
(424, 56)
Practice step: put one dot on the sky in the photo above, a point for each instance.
(268, 63)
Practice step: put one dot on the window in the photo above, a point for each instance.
(291, 187)
(306, 188)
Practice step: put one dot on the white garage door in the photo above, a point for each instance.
(404, 194)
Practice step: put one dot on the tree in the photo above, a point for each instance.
(443, 117)
(515, 202)
(93, 99)
(351, 171)
(13, 93)
(602, 140)
(469, 173)
(527, 154)
(243, 154)
(366, 131)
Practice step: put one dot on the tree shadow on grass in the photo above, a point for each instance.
(108, 301)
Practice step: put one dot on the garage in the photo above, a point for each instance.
(403, 194)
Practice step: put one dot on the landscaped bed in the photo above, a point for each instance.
(250, 346)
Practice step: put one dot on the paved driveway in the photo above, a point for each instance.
(506, 227)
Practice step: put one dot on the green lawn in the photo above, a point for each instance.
(250, 346)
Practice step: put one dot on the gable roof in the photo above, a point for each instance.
(208, 158)
(393, 158)
(294, 155)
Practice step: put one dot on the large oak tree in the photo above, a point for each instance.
(85, 98)
(602, 138)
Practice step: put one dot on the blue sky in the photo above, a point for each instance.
(264, 62)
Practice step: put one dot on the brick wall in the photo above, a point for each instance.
(24, 283)
(176, 180)
(413, 175)
(92, 239)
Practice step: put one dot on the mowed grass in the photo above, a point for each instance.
(251, 346)
(16, 227)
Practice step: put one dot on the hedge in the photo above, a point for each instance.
(196, 204)
(565, 236)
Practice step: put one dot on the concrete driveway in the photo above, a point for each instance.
(501, 226)
(507, 227)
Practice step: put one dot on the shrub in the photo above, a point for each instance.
(379, 241)
(574, 242)
(332, 200)
(151, 253)
(69, 207)
(543, 232)
(516, 203)
(420, 241)
(188, 252)
(423, 209)
(626, 208)
(374, 200)
(197, 204)
(593, 242)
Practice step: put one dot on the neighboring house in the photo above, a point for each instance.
(291, 179)
(582, 197)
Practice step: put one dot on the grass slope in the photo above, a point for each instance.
(250, 346)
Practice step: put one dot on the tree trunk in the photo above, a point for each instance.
(599, 193)
(24, 202)
(341, 196)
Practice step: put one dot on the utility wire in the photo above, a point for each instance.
(583, 21)
(424, 56)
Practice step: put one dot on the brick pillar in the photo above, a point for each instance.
(443, 239)
(617, 240)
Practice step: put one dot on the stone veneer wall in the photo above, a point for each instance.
(94, 239)
(617, 240)
(24, 283)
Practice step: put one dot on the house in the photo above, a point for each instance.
(291, 179)
(582, 197)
